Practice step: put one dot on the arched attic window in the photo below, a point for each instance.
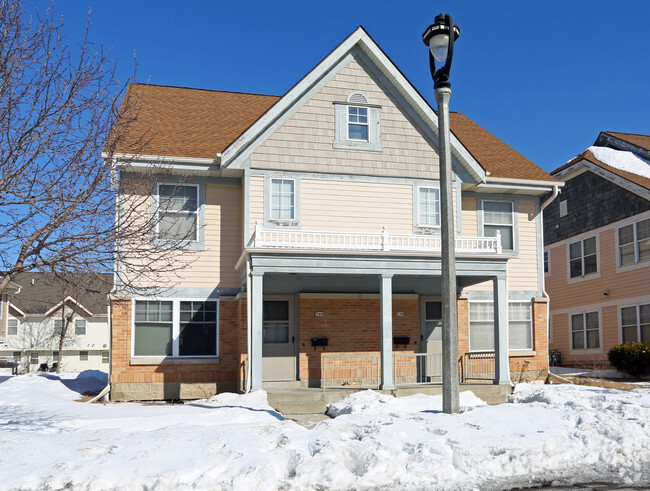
(357, 124)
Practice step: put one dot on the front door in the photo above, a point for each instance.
(279, 336)
(430, 366)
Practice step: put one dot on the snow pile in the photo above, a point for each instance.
(546, 434)
(625, 161)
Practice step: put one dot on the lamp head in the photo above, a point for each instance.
(437, 34)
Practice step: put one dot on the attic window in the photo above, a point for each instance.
(357, 124)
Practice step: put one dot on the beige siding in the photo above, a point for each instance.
(523, 271)
(356, 206)
(305, 141)
(256, 209)
(469, 217)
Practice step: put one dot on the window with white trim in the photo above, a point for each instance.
(283, 199)
(58, 327)
(428, 207)
(178, 328)
(55, 356)
(357, 124)
(498, 216)
(481, 326)
(520, 326)
(585, 331)
(635, 323)
(634, 243)
(17, 356)
(33, 358)
(83, 356)
(80, 327)
(583, 257)
(104, 356)
(178, 212)
(12, 327)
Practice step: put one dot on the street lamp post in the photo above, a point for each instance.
(440, 37)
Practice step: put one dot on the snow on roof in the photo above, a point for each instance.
(625, 161)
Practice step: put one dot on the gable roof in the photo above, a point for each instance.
(193, 123)
(642, 141)
(40, 293)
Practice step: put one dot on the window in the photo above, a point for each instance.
(481, 326)
(33, 359)
(635, 323)
(498, 217)
(583, 257)
(546, 262)
(16, 355)
(80, 327)
(55, 356)
(634, 243)
(104, 356)
(585, 331)
(283, 199)
(358, 123)
(58, 327)
(520, 326)
(275, 326)
(428, 207)
(178, 212)
(83, 356)
(12, 327)
(176, 328)
(563, 209)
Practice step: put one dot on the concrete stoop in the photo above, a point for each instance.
(292, 401)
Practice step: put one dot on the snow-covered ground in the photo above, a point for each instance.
(546, 434)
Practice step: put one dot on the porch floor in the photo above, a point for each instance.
(307, 406)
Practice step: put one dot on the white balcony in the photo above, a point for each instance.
(278, 238)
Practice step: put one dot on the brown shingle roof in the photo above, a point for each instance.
(642, 141)
(191, 122)
(499, 159)
(587, 155)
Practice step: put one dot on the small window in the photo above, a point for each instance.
(585, 331)
(58, 327)
(104, 356)
(498, 217)
(178, 212)
(520, 326)
(634, 243)
(583, 257)
(635, 323)
(563, 209)
(33, 359)
(12, 327)
(283, 199)
(428, 207)
(55, 356)
(80, 327)
(358, 123)
(17, 355)
(83, 356)
(546, 264)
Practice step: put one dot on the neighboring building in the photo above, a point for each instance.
(316, 237)
(597, 249)
(34, 313)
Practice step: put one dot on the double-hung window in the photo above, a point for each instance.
(583, 257)
(80, 327)
(83, 356)
(428, 207)
(635, 323)
(283, 199)
(178, 328)
(12, 327)
(33, 358)
(585, 331)
(520, 326)
(58, 327)
(498, 216)
(357, 123)
(178, 212)
(634, 243)
(481, 326)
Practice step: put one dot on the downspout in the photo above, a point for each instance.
(249, 326)
(556, 191)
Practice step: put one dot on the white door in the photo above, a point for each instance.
(430, 367)
(279, 336)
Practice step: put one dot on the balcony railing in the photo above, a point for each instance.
(303, 239)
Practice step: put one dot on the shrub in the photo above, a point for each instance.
(631, 358)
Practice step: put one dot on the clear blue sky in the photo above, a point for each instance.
(544, 76)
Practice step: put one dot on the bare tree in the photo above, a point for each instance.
(61, 209)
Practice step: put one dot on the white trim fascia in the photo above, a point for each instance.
(359, 36)
(524, 182)
(63, 302)
(12, 306)
(162, 158)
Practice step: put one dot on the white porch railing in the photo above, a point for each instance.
(303, 239)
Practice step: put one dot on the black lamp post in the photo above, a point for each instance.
(440, 37)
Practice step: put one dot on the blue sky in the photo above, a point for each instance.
(544, 76)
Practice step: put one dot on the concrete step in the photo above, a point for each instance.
(285, 408)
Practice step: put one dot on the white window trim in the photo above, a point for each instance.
(419, 227)
(175, 329)
(84, 355)
(586, 351)
(31, 358)
(637, 263)
(198, 205)
(341, 123)
(366, 124)
(85, 327)
(469, 325)
(268, 199)
(638, 320)
(515, 229)
(590, 276)
(17, 326)
(511, 351)
(531, 322)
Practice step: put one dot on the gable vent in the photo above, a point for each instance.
(357, 98)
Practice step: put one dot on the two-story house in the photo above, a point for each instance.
(597, 249)
(37, 308)
(314, 224)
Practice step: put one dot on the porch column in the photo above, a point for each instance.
(386, 295)
(257, 319)
(501, 356)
